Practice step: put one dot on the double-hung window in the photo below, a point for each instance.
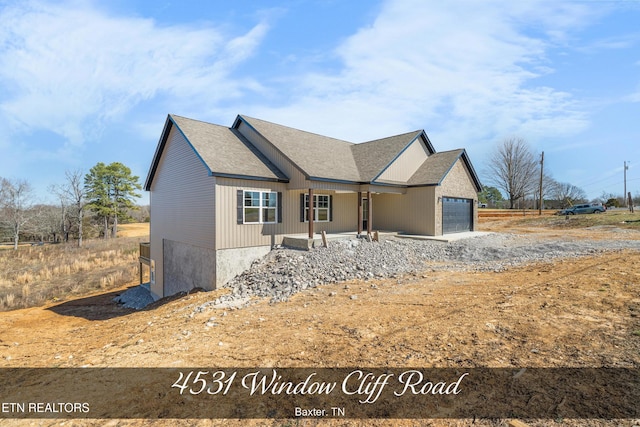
(322, 208)
(260, 207)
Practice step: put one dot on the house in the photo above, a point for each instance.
(222, 197)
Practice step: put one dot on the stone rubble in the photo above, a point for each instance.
(284, 272)
(137, 297)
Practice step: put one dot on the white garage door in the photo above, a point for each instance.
(457, 215)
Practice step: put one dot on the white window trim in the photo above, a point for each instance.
(260, 207)
(316, 208)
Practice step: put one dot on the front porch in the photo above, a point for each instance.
(323, 210)
(302, 240)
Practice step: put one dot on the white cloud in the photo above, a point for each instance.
(468, 65)
(69, 68)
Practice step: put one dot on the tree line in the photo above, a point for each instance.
(514, 171)
(95, 202)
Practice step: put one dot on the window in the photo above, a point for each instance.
(260, 207)
(269, 207)
(321, 212)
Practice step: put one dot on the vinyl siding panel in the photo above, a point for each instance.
(182, 202)
(411, 213)
(406, 164)
(233, 235)
(325, 185)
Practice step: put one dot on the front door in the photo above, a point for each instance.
(365, 213)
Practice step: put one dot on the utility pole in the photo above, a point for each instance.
(625, 184)
(541, 171)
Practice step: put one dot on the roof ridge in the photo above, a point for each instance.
(197, 120)
(449, 151)
(392, 136)
(298, 130)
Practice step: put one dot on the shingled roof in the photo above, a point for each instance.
(317, 156)
(223, 151)
(226, 152)
(323, 157)
(374, 156)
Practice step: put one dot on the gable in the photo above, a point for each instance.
(223, 151)
(458, 182)
(373, 157)
(406, 163)
(436, 168)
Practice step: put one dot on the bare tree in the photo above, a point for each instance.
(548, 188)
(73, 201)
(16, 201)
(45, 223)
(568, 194)
(513, 169)
(76, 193)
(63, 219)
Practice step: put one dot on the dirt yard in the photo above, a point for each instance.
(568, 313)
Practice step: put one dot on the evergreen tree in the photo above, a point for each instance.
(490, 195)
(111, 190)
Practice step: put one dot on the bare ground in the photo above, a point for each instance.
(567, 313)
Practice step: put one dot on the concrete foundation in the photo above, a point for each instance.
(231, 262)
(303, 242)
(187, 267)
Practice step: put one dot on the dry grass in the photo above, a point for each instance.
(613, 218)
(140, 229)
(33, 275)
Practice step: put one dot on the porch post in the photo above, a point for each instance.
(312, 207)
(359, 212)
(369, 212)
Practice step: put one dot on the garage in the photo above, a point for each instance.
(457, 215)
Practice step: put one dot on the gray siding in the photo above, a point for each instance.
(182, 203)
(406, 164)
(411, 213)
(330, 186)
(345, 215)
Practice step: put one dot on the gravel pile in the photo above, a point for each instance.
(137, 297)
(284, 272)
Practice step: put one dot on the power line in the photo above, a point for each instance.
(599, 181)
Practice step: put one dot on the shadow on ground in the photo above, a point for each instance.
(103, 306)
(96, 307)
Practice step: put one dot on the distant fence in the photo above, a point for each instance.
(512, 213)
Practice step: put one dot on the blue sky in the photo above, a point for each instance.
(89, 81)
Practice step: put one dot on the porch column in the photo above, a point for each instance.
(312, 206)
(359, 212)
(369, 212)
